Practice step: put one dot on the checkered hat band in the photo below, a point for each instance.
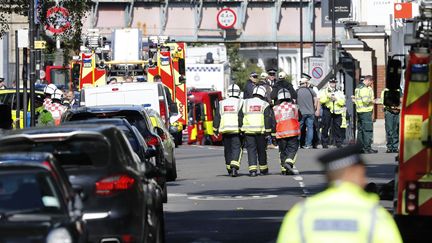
(203, 69)
(343, 162)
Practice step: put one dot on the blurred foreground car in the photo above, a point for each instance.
(37, 203)
(120, 204)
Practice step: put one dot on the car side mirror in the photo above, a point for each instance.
(150, 152)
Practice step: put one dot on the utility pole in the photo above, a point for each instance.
(301, 37)
(32, 61)
(313, 29)
(332, 7)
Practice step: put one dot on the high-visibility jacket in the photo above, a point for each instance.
(57, 111)
(287, 124)
(344, 123)
(342, 213)
(228, 114)
(253, 116)
(336, 106)
(364, 98)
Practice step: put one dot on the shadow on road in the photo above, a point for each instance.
(223, 226)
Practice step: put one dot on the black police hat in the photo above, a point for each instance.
(272, 72)
(333, 80)
(254, 74)
(342, 157)
(305, 75)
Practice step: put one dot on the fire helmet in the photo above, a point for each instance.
(234, 90)
(283, 94)
(259, 90)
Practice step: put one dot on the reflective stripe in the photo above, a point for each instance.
(228, 167)
(288, 133)
(374, 213)
(253, 168)
(300, 220)
(235, 163)
(263, 167)
(346, 225)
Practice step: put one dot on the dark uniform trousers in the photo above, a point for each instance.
(365, 129)
(333, 122)
(256, 144)
(232, 147)
(288, 148)
(392, 129)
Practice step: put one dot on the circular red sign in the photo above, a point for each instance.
(226, 18)
(57, 20)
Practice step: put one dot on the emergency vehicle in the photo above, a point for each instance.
(202, 105)
(167, 59)
(413, 205)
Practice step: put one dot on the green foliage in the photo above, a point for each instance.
(240, 67)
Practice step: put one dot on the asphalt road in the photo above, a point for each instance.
(206, 205)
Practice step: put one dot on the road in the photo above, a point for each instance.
(206, 205)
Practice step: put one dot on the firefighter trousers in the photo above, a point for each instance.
(331, 122)
(288, 149)
(232, 150)
(256, 147)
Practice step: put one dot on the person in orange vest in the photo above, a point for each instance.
(287, 130)
(55, 107)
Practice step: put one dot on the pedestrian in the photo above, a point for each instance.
(257, 122)
(309, 108)
(264, 82)
(344, 212)
(271, 76)
(56, 108)
(364, 101)
(250, 85)
(48, 92)
(227, 122)
(283, 83)
(391, 119)
(2, 84)
(287, 130)
(332, 103)
(69, 100)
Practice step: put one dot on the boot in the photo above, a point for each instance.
(264, 172)
(289, 168)
(234, 172)
(252, 173)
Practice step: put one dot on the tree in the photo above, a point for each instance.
(70, 39)
(240, 67)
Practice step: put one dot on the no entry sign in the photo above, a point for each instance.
(226, 18)
(57, 20)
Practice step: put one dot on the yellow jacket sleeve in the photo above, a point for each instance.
(386, 229)
(323, 96)
(289, 231)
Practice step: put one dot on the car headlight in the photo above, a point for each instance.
(60, 235)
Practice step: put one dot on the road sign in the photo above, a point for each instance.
(317, 72)
(57, 20)
(226, 18)
(342, 11)
(40, 44)
(318, 69)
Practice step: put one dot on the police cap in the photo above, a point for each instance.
(306, 76)
(271, 72)
(342, 158)
(333, 80)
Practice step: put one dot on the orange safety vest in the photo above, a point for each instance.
(287, 124)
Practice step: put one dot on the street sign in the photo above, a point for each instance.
(226, 18)
(403, 10)
(40, 44)
(317, 72)
(57, 20)
(318, 69)
(342, 11)
(23, 40)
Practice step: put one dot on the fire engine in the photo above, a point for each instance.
(413, 205)
(167, 59)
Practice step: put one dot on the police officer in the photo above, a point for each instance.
(287, 130)
(227, 123)
(391, 118)
(257, 117)
(364, 100)
(344, 212)
(271, 79)
(56, 108)
(332, 103)
(250, 85)
(264, 82)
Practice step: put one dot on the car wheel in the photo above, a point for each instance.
(172, 173)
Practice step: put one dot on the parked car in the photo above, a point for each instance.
(37, 202)
(120, 203)
(168, 143)
(136, 116)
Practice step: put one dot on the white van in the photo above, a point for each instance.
(150, 95)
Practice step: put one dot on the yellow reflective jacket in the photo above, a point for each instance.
(364, 98)
(336, 106)
(254, 120)
(342, 213)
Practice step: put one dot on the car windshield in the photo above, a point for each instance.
(28, 191)
(71, 152)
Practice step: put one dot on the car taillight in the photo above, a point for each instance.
(153, 141)
(109, 185)
(163, 111)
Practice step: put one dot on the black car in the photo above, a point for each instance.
(120, 203)
(37, 202)
(136, 116)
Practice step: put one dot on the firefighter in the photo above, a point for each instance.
(287, 130)
(283, 83)
(227, 123)
(391, 118)
(257, 121)
(48, 91)
(332, 102)
(56, 108)
(344, 212)
(364, 100)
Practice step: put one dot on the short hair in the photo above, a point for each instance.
(369, 77)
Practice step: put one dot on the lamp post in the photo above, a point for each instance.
(32, 61)
(301, 37)
(332, 7)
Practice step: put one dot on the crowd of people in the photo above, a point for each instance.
(272, 112)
